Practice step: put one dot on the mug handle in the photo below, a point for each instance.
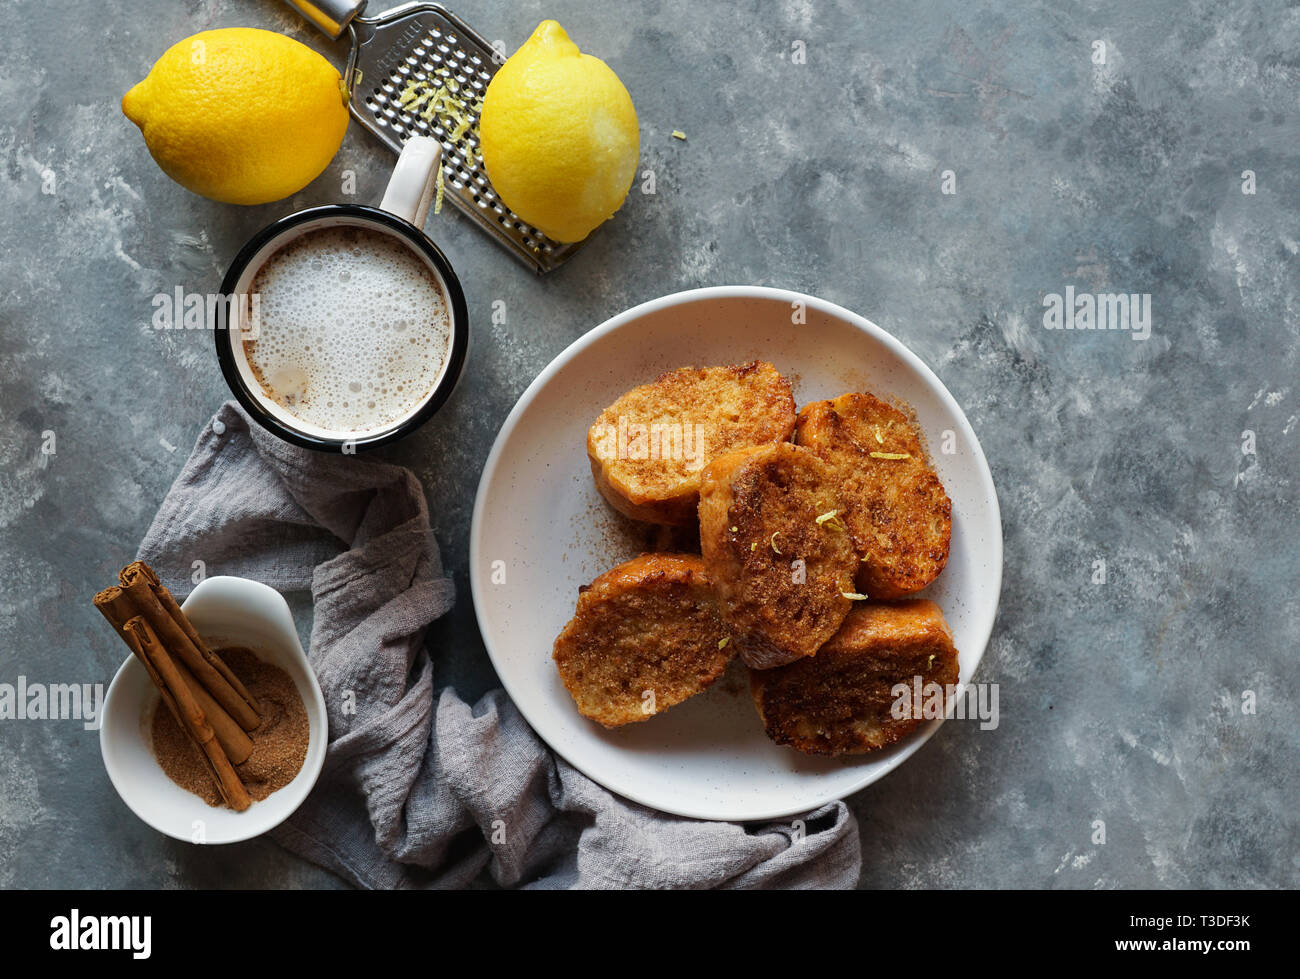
(410, 189)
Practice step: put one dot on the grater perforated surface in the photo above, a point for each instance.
(427, 43)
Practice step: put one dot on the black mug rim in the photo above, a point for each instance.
(457, 348)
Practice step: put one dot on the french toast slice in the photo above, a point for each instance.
(898, 514)
(646, 635)
(782, 563)
(848, 699)
(648, 448)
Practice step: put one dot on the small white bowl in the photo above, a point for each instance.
(226, 612)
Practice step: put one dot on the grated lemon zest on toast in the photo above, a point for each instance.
(831, 519)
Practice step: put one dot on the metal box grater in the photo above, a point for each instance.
(413, 42)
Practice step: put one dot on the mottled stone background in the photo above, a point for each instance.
(1119, 701)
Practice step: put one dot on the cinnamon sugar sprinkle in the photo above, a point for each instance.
(279, 743)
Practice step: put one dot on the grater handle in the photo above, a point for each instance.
(330, 17)
(411, 187)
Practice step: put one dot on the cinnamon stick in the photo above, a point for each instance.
(234, 742)
(170, 703)
(174, 636)
(137, 570)
(110, 606)
(117, 607)
(190, 714)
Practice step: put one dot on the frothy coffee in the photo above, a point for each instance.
(353, 329)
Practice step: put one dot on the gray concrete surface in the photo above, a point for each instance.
(1120, 702)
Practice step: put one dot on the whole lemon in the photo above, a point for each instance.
(240, 115)
(559, 136)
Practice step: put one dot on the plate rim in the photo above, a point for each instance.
(984, 629)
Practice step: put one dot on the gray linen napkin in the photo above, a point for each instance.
(419, 788)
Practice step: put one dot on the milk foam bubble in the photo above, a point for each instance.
(353, 331)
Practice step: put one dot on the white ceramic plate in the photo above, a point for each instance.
(540, 516)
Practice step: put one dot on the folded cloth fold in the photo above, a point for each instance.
(419, 788)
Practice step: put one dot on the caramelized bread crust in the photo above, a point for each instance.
(782, 578)
(646, 635)
(841, 700)
(898, 513)
(648, 448)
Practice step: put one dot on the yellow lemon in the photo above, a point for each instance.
(240, 115)
(559, 136)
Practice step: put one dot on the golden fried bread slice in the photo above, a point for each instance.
(647, 449)
(898, 514)
(782, 563)
(848, 698)
(646, 635)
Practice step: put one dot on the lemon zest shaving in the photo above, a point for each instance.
(831, 518)
(438, 97)
(726, 639)
(773, 541)
(441, 103)
(441, 187)
(415, 94)
(678, 134)
(462, 127)
(891, 455)
(853, 595)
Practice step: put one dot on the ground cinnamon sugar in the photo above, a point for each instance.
(279, 743)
